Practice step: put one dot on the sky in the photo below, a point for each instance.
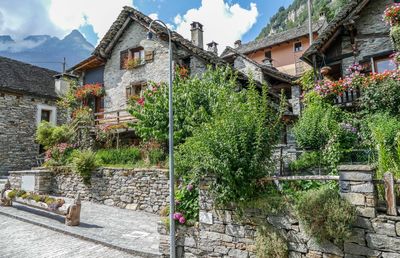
(224, 21)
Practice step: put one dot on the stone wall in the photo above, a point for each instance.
(221, 234)
(17, 130)
(136, 189)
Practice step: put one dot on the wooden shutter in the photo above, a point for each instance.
(124, 55)
(148, 56)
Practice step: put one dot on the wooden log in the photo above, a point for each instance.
(298, 178)
(389, 194)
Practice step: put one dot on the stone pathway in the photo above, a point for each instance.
(132, 231)
(23, 240)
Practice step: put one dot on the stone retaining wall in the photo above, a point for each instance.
(219, 234)
(136, 189)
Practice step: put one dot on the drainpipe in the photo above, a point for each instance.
(309, 22)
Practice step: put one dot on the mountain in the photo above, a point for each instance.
(46, 51)
(296, 15)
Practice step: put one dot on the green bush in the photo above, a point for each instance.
(306, 160)
(156, 156)
(385, 136)
(49, 135)
(12, 194)
(316, 125)
(395, 34)
(381, 97)
(270, 244)
(195, 100)
(118, 156)
(235, 147)
(84, 163)
(326, 215)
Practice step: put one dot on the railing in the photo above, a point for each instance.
(388, 182)
(113, 117)
(348, 98)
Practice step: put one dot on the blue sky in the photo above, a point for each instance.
(224, 20)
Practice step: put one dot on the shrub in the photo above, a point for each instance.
(269, 244)
(118, 156)
(306, 160)
(12, 194)
(156, 156)
(316, 124)
(326, 215)
(195, 100)
(49, 135)
(381, 96)
(187, 202)
(235, 147)
(83, 163)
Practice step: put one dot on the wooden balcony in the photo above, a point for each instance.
(348, 98)
(113, 117)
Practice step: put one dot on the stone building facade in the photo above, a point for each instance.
(27, 96)
(357, 34)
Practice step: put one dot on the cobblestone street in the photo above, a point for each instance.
(28, 232)
(23, 240)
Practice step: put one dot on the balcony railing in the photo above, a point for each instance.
(348, 98)
(113, 117)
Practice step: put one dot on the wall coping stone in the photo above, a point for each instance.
(28, 172)
(356, 168)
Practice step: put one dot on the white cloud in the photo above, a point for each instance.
(71, 14)
(222, 22)
(154, 16)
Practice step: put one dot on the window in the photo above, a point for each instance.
(45, 115)
(135, 90)
(298, 47)
(268, 54)
(384, 64)
(133, 57)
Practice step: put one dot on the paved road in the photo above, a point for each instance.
(23, 240)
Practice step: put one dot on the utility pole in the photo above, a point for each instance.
(310, 30)
(64, 64)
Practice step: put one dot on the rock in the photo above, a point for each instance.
(354, 198)
(281, 222)
(355, 176)
(206, 217)
(350, 248)
(235, 230)
(131, 206)
(384, 228)
(238, 253)
(357, 236)
(368, 212)
(324, 247)
(363, 223)
(390, 255)
(109, 202)
(383, 242)
(297, 247)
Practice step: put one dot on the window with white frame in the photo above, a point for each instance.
(46, 113)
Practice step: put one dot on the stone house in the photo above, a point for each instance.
(108, 64)
(357, 34)
(28, 95)
(280, 50)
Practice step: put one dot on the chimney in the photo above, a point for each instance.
(213, 47)
(197, 34)
(238, 43)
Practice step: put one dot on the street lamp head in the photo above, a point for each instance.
(148, 44)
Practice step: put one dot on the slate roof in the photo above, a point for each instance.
(351, 9)
(278, 38)
(19, 77)
(271, 71)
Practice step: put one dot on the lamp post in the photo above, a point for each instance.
(149, 44)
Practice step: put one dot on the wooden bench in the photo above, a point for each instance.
(71, 212)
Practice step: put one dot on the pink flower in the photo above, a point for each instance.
(182, 220)
(189, 187)
(177, 216)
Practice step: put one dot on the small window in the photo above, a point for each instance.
(298, 47)
(268, 54)
(131, 58)
(384, 64)
(135, 90)
(45, 115)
